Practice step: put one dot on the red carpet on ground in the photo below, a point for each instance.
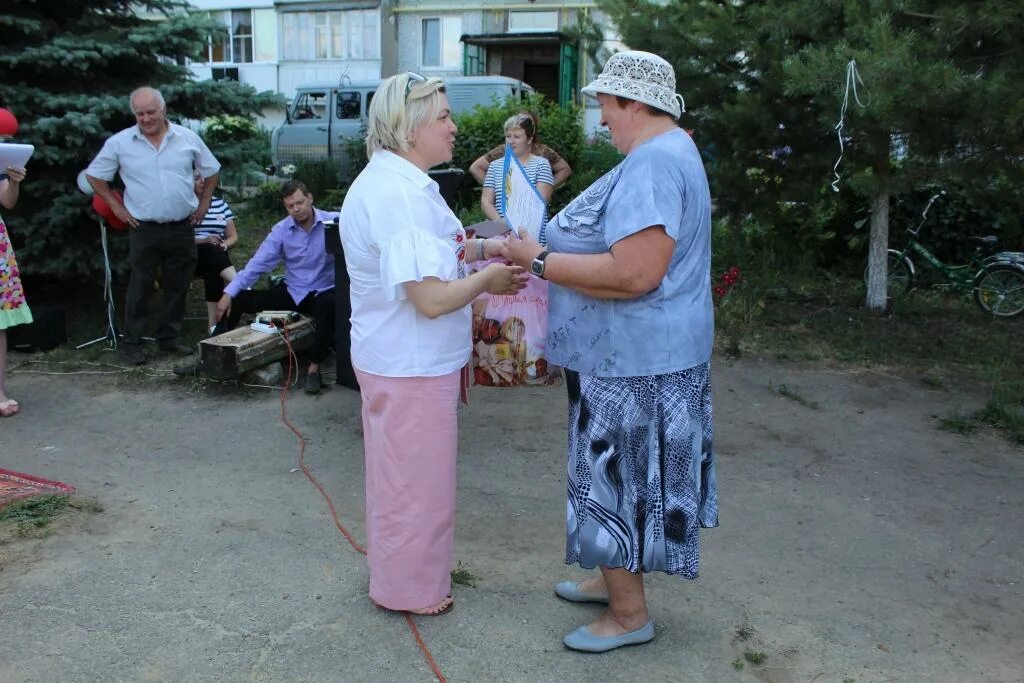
(15, 486)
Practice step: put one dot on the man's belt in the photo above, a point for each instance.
(180, 220)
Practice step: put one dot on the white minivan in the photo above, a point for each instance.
(323, 119)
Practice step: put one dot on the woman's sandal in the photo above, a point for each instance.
(9, 407)
(437, 610)
(443, 607)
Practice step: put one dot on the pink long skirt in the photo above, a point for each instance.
(410, 435)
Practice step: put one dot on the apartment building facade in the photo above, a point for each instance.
(278, 45)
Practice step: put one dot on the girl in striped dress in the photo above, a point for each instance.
(215, 234)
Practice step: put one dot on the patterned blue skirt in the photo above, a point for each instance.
(641, 471)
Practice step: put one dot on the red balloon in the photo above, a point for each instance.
(106, 213)
(8, 124)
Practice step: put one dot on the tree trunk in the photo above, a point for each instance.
(878, 294)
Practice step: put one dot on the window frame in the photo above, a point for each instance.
(524, 12)
(229, 40)
(457, 52)
(335, 30)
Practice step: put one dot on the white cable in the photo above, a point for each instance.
(108, 293)
(852, 78)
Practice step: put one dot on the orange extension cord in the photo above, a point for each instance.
(330, 503)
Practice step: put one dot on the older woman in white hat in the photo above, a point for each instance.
(411, 322)
(631, 322)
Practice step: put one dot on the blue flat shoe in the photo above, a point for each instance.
(570, 590)
(583, 640)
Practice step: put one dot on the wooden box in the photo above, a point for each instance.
(230, 354)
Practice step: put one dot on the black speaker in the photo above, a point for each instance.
(332, 237)
(47, 331)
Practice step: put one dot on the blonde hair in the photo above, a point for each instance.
(523, 121)
(401, 104)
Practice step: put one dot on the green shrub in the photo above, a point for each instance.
(224, 129)
(320, 176)
(243, 149)
(483, 128)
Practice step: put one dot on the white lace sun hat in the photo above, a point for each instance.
(640, 76)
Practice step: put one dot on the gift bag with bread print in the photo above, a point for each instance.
(509, 336)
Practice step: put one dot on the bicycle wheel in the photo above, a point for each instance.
(999, 290)
(899, 274)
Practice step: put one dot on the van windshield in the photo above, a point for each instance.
(310, 105)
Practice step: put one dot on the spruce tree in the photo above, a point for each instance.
(939, 82)
(68, 67)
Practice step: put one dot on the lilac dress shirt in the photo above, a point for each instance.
(307, 265)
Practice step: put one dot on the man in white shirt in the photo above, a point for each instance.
(156, 160)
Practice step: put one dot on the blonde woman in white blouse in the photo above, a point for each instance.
(411, 323)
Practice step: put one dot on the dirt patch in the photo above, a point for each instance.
(857, 541)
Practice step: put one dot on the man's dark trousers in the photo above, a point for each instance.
(171, 248)
(319, 305)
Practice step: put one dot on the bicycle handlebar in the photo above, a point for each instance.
(924, 213)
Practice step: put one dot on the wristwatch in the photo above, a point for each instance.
(537, 267)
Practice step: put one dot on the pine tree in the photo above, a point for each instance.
(939, 82)
(68, 67)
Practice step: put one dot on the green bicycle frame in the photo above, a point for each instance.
(960, 277)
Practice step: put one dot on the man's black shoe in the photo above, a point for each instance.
(313, 383)
(131, 354)
(175, 348)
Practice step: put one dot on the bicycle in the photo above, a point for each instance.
(996, 280)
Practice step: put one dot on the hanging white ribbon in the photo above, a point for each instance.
(852, 78)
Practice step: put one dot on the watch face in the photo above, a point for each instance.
(537, 267)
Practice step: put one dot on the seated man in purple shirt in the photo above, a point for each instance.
(298, 242)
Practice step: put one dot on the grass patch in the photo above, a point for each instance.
(461, 576)
(793, 395)
(957, 423)
(1003, 411)
(32, 516)
(738, 664)
(744, 632)
(939, 338)
(754, 657)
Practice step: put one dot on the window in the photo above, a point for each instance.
(440, 42)
(348, 105)
(236, 47)
(224, 73)
(310, 106)
(351, 34)
(523, 22)
(474, 61)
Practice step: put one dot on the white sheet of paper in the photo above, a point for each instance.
(523, 207)
(12, 154)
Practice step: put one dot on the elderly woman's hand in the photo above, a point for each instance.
(521, 250)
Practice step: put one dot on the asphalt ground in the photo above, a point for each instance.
(858, 542)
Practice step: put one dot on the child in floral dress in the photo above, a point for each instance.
(13, 308)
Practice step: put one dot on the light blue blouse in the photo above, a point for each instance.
(660, 182)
